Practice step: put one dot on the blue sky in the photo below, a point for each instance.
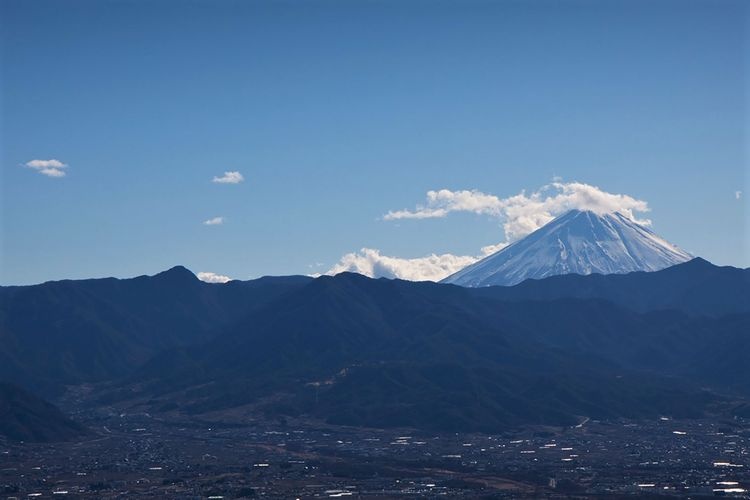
(337, 112)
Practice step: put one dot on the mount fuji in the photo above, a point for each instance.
(577, 242)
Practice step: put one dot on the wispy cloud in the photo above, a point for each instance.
(229, 178)
(50, 168)
(737, 195)
(209, 277)
(524, 213)
(216, 221)
(441, 203)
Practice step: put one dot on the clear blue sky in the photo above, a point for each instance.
(336, 112)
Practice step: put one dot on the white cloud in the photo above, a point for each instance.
(370, 262)
(52, 172)
(524, 213)
(216, 221)
(737, 195)
(50, 168)
(520, 215)
(229, 178)
(490, 249)
(213, 277)
(46, 164)
(441, 203)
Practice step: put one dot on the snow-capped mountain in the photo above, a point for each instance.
(581, 242)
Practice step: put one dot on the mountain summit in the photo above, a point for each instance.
(577, 242)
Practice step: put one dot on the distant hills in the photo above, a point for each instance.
(25, 417)
(696, 288)
(352, 350)
(577, 242)
(358, 351)
(73, 331)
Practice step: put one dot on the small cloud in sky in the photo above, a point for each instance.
(216, 221)
(229, 178)
(50, 168)
(209, 277)
(315, 274)
(737, 195)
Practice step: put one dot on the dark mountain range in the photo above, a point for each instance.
(696, 288)
(358, 351)
(68, 332)
(25, 417)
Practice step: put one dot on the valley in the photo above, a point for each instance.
(237, 455)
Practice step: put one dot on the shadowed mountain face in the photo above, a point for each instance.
(25, 417)
(696, 288)
(578, 242)
(388, 353)
(68, 332)
(353, 350)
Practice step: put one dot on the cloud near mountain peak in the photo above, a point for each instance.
(520, 215)
(524, 213)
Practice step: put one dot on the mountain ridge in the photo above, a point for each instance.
(73, 331)
(696, 287)
(359, 351)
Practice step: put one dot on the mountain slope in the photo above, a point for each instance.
(579, 242)
(25, 417)
(68, 332)
(696, 288)
(358, 351)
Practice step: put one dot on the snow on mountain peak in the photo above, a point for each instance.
(580, 242)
